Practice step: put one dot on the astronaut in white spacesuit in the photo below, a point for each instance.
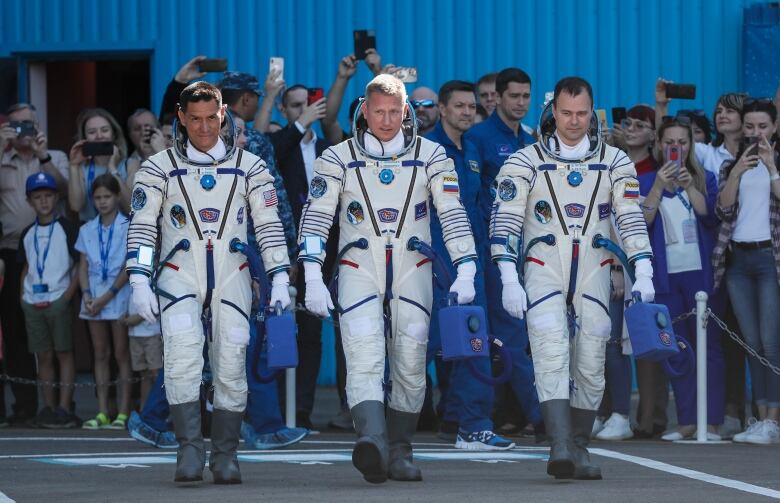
(203, 190)
(567, 185)
(383, 180)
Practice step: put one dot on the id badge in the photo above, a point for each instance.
(40, 288)
(689, 231)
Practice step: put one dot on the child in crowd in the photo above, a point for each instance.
(145, 349)
(48, 285)
(103, 280)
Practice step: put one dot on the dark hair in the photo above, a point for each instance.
(449, 87)
(750, 105)
(167, 119)
(289, 90)
(508, 75)
(731, 101)
(482, 112)
(699, 118)
(199, 91)
(488, 78)
(572, 86)
(108, 182)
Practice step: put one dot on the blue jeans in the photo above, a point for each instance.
(155, 410)
(751, 280)
(618, 366)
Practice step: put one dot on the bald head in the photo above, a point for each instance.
(424, 101)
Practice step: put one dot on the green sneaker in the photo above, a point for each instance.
(100, 421)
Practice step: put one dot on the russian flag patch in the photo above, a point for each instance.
(631, 190)
(450, 184)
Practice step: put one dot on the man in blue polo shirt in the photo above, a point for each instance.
(467, 402)
(496, 139)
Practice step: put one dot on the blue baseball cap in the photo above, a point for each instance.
(240, 81)
(40, 181)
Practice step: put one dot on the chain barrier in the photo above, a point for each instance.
(736, 338)
(36, 382)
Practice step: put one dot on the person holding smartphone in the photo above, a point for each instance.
(679, 207)
(100, 148)
(747, 257)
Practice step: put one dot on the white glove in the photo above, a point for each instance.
(144, 301)
(317, 299)
(513, 296)
(279, 289)
(464, 283)
(643, 270)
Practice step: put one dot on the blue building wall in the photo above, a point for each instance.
(621, 46)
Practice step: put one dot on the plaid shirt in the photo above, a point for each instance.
(728, 216)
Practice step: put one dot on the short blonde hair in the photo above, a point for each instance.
(387, 84)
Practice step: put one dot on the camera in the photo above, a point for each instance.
(24, 128)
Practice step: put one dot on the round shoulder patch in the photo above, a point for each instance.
(139, 198)
(507, 190)
(318, 186)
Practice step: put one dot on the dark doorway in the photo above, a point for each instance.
(119, 86)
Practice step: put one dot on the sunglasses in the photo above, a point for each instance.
(758, 101)
(423, 103)
(692, 113)
(681, 120)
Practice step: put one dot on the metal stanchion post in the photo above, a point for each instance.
(290, 397)
(701, 366)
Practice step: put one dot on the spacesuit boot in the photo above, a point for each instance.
(191, 455)
(370, 454)
(400, 430)
(223, 462)
(581, 425)
(557, 422)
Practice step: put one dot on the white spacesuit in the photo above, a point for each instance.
(203, 201)
(541, 190)
(385, 287)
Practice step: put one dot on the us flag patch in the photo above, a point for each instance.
(269, 197)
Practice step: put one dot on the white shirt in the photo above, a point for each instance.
(308, 151)
(57, 264)
(215, 153)
(680, 256)
(384, 148)
(712, 158)
(578, 151)
(753, 214)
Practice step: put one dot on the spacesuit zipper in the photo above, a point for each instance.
(206, 317)
(575, 258)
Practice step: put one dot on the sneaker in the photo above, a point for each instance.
(342, 421)
(4, 422)
(768, 433)
(62, 419)
(45, 417)
(482, 441)
(448, 431)
(617, 427)
(141, 431)
(100, 421)
(752, 425)
(598, 425)
(730, 427)
(268, 441)
(167, 440)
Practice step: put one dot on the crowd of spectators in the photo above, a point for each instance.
(709, 193)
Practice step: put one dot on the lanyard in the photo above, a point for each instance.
(41, 264)
(683, 200)
(90, 178)
(105, 251)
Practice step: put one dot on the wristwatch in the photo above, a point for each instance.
(45, 159)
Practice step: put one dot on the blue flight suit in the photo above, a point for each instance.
(495, 142)
(467, 401)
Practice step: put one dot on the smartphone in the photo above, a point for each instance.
(681, 91)
(95, 148)
(364, 40)
(618, 114)
(602, 116)
(315, 94)
(213, 65)
(277, 64)
(674, 154)
(23, 128)
(405, 73)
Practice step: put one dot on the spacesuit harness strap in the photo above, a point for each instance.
(186, 196)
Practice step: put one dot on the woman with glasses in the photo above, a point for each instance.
(679, 208)
(747, 254)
